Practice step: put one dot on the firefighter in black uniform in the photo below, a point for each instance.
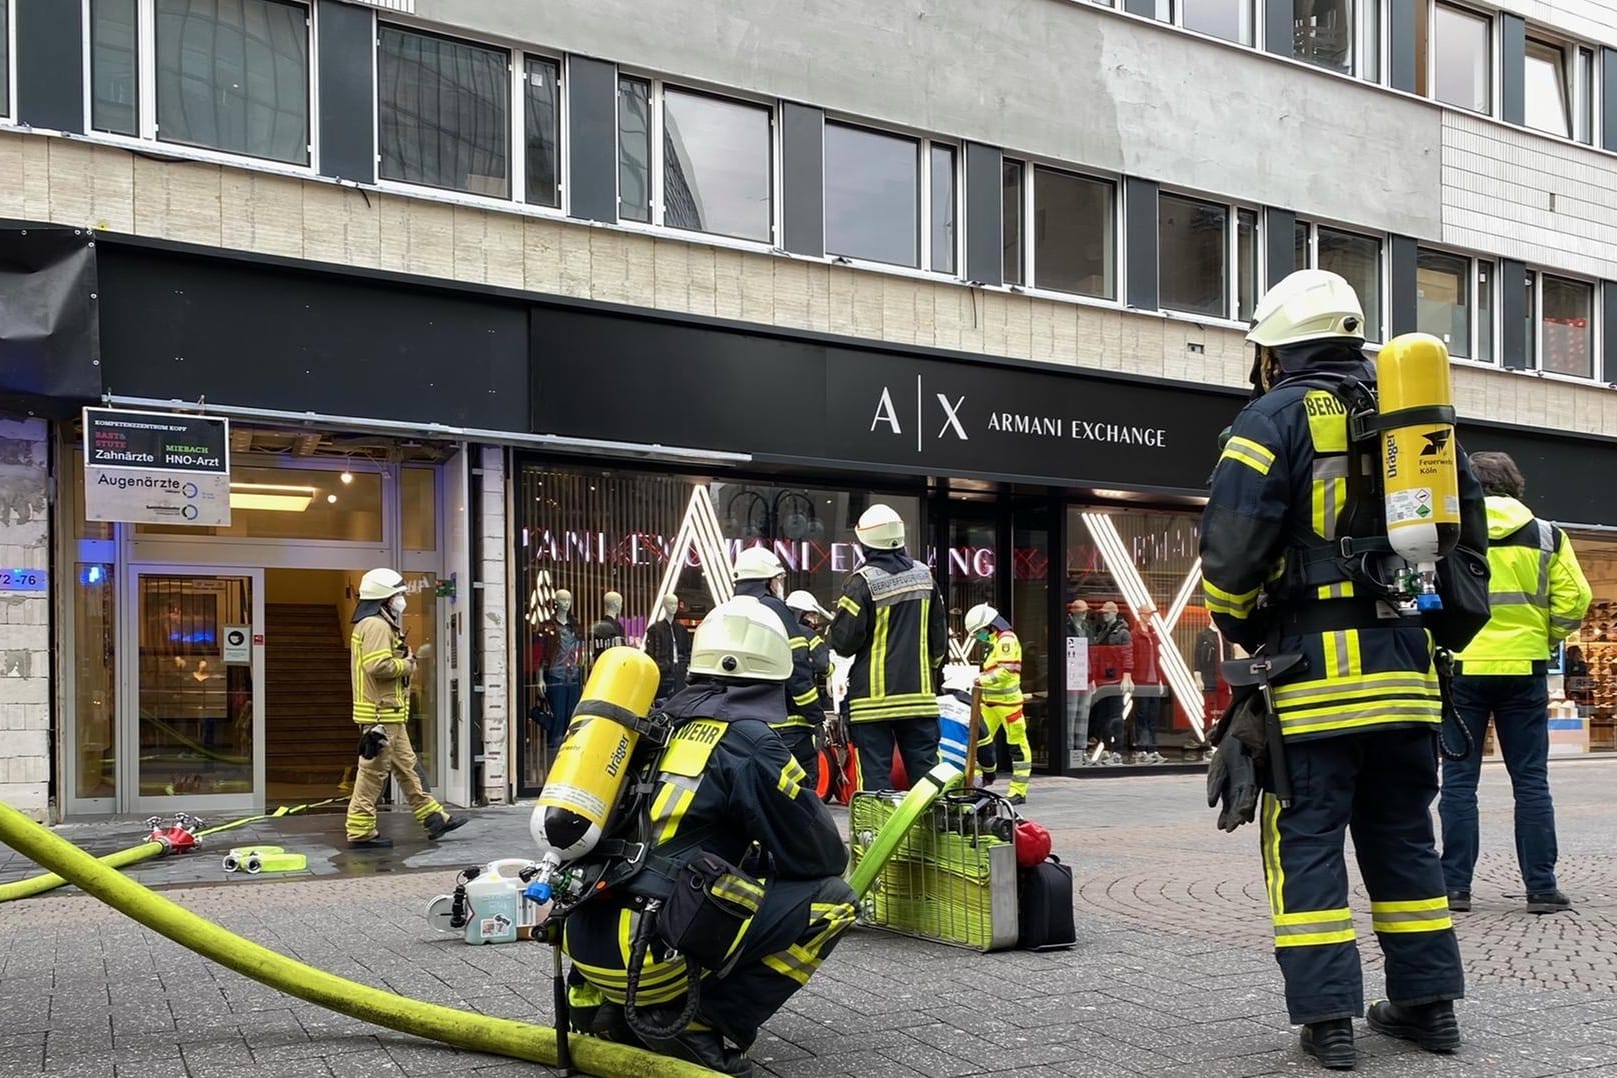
(725, 782)
(760, 575)
(1359, 717)
(892, 622)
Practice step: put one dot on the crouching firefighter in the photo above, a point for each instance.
(1343, 525)
(694, 939)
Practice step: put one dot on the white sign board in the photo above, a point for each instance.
(139, 496)
(238, 641)
(1077, 664)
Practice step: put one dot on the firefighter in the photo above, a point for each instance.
(1001, 685)
(382, 665)
(892, 622)
(725, 782)
(1358, 720)
(814, 618)
(760, 575)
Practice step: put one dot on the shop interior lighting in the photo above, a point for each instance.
(698, 531)
(271, 497)
(1116, 557)
(1192, 584)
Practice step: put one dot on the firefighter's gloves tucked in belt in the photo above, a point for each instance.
(372, 741)
(1233, 779)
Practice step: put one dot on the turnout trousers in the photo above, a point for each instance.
(1009, 718)
(796, 926)
(1379, 785)
(915, 739)
(398, 757)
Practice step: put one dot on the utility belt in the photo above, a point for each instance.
(1335, 616)
(1316, 563)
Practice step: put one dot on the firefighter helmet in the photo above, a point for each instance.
(980, 617)
(758, 563)
(805, 603)
(1308, 305)
(380, 584)
(880, 528)
(741, 639)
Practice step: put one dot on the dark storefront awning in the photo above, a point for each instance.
(50, 352)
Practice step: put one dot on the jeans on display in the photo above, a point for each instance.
(1108, 721)
(1519, 706)
(563, 697)
(1147, 711)
(1078, 705)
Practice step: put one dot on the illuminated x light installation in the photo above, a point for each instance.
(699, 532)
(1129, 581)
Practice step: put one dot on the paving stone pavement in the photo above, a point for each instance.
(1172, 974)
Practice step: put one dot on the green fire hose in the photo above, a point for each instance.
(134, 855)
(461, 1029)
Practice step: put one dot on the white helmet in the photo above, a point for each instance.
(380, 584)
(880, 528)
(743, 639)
(979, 617)
(758, 563)
(805, 603)
(1309, 305)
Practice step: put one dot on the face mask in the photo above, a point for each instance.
(984, 635)
(1107, 619)
(396, 604)
(777, 587)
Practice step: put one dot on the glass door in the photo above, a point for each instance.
(193, 710)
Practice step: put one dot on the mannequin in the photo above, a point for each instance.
(669, 645)
(1111, 655)
(559, 659)
(1080, 634)
(608, 632)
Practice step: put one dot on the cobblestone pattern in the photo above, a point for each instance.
(1150, 989)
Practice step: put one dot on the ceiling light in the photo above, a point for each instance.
(331, 499)
(271, 497)
(347, 477)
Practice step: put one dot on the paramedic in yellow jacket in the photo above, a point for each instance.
(382, 665)
(1001, 684)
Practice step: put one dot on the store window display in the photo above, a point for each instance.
(557, 655)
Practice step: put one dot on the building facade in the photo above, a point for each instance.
(525, 298)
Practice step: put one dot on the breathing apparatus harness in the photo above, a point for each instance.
(1362, 555)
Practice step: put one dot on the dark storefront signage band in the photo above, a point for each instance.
(808, 400)
(162, 441)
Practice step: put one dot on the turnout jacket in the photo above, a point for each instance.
(892, 621)
(1536, 591)
(726, 780)
(803, 707)
(1282, 480)
(380, 670)
(1001, 678)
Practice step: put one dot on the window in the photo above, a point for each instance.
(543, 160)
(944, 210)
(1193, 257)
(233, 75)
(1485, 311)
(1246, 264)
(443, 113)
(114, 66)
(872, 195)
(634, 150)
(716, 166)
(1073, 226)
(1443, 299)
(1586, 96)
(1568, 346)
(1463, 59)
(1357, 259)
(1322, 33)
(1547, 107)
(1228, 19)
(1530, 305)
(1011, 207)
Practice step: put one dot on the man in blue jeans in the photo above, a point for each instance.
(1539, 595)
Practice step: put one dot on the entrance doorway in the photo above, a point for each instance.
(197, 680)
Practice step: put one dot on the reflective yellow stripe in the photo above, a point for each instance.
(1252, 454)
(1317, 939)
(1274, 875)
(847, 603)
(1418, 905)
(907, 706)
(1220, 601)
(1309, 917)
(799, 643)
(877, 663)
(677, 816)
(733, 890)
(1414, 915)
(807, 698)
(791, 778)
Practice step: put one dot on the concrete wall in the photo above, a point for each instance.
(1591, 20)
(25, 640)
(1069, 81)
(70, 182)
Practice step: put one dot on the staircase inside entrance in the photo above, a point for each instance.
(309, 731)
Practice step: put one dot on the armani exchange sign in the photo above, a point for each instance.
(953, 415)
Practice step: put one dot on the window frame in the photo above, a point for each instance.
(8, 114)
(1313, 226)
(1493, 62)
(928, 223)
(1475, 290)
(923, 196)
(1176, 18)
(1231, 253)
(1566, 72)
(1537, 275)
(1357, 35)
(146, 135)
(520, 59)
(659, 87)
(1030, 221)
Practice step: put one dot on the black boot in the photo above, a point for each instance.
(1432, 1025)
(1331, 1043)
(375, 842)
(704, 1048)
(441, 825)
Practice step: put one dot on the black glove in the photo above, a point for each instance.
(372, 741)
(1233, 779)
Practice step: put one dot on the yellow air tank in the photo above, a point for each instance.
(587, 777)
(1419, 475)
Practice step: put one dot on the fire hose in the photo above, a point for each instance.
(145, 851)
(460, 1029)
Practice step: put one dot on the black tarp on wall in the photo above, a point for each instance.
(50, 353)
